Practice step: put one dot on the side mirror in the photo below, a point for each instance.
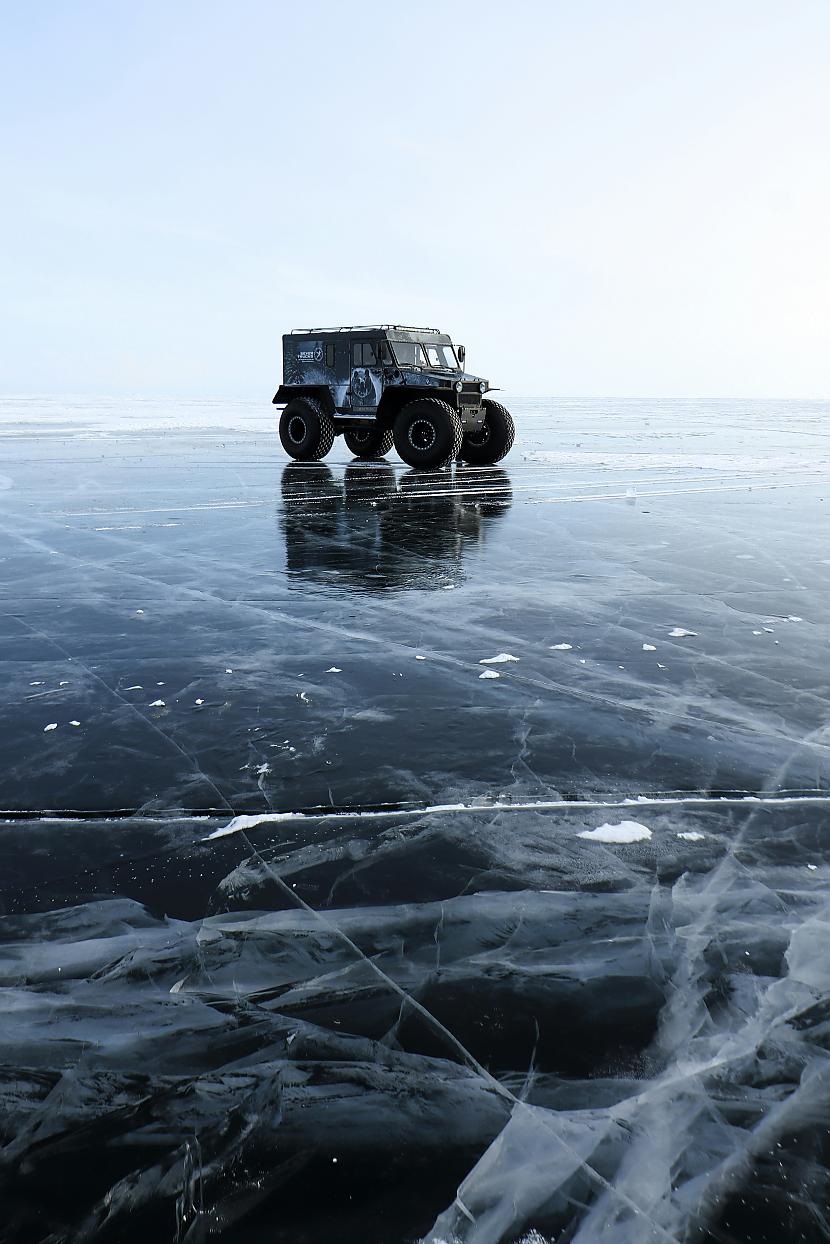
(462, 354)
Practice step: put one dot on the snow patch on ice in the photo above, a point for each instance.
(334, 669)
(501, 659)
(561, 647)
(489, 674)
(53, 725)
(625, 831)
(158, 704)
(649, 648)
(692, 835)
(680, 632)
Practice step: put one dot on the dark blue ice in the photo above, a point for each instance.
(312, 928)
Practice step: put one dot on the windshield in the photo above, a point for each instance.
(416, 354)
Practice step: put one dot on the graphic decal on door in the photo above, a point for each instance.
(364, 388)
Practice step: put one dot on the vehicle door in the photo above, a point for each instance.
(365, 386)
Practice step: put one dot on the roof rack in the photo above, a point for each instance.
(363, 328)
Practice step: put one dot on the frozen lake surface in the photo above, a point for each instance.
(394, 856)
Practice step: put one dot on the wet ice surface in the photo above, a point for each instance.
(310, 932)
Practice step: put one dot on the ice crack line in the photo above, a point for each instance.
(251, 820)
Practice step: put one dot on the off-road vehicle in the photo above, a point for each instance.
(382, 385)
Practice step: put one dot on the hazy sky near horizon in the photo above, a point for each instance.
(599, 198)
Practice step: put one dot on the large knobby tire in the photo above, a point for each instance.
(495, 438)
(306, 432)
(428, 433)
(369, 442)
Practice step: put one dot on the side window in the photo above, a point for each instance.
(385, 353)
(363, 354)
(329, 354)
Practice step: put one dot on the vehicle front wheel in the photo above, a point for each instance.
(494, 439)
(368, 442)
(306, 432)
(428, 433)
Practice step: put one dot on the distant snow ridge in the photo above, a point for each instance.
(608, 460)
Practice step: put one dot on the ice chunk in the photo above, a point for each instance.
(501, 659)
(53, 725)
(74, 723)
(649, 648)
(625, 831)
(250, 821)
(419, 658)
(489, 674)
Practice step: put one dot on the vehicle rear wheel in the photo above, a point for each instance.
(494, 440)
(428, 433)
(368, 442)
(306, 432)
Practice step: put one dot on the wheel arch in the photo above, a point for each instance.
(393, 401)
(320, 392)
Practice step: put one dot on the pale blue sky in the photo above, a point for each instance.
(599, 198)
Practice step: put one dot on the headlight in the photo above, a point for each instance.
(483, 387)
(458, 386)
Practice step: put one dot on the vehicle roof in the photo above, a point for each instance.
(395, 332)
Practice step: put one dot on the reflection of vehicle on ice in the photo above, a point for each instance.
(376, 531)
(382, 385)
